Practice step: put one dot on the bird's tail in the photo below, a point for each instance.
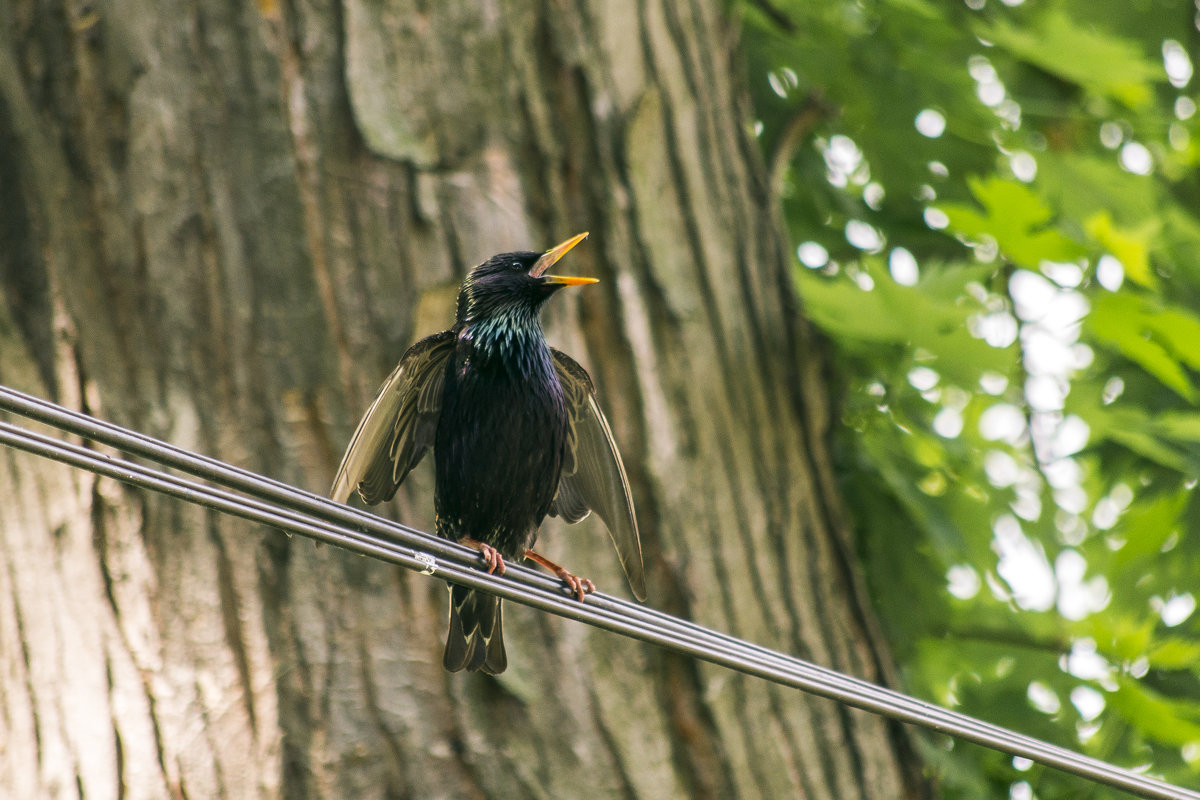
(475, 641)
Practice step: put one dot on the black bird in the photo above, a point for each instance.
(516, 434)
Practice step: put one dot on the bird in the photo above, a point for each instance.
(517, 435)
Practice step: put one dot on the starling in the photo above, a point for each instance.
(516, 433)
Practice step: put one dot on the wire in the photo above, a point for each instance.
(253, 497)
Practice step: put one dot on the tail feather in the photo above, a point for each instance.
(475, 641)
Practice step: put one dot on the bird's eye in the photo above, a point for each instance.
(516, 265)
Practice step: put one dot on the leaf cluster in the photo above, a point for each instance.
(997, 226)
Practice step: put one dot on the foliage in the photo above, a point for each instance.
(998, 218)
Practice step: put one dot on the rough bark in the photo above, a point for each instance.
(221, 223)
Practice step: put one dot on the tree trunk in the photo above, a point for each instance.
(223, 222)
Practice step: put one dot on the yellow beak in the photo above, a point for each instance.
(565, 280)
(552, 256)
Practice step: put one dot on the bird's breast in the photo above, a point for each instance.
(499, 446)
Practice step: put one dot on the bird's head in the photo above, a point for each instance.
(510, 288)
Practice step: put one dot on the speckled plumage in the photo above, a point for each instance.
(499, 444)
(516, 433)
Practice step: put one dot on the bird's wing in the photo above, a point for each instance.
(593, 477)
(399, 426)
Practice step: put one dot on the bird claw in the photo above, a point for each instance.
(578, 586)
(493, 559)
(491, 556)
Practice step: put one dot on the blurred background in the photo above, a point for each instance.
(897, 330)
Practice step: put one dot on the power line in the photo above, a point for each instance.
(269, 502)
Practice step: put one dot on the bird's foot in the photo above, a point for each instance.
(491, 556)
(578, 586)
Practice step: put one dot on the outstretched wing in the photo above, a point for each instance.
(399, 426)
(593, 477)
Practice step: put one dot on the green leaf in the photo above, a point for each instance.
(920, 8)
(1130, 247)
(1102, 63)
(1155, 339)
(1160, 717)
(1182, 425)
(1132, 429)
(1015, 217)
(1180, 332)
(907, 315)
(1146, 526)
(1123, 634)
(1146, 445)
(1175, 653)
(845, 310)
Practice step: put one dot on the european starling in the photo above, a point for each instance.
(516, 432)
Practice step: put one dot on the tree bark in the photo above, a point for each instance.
(222, 223)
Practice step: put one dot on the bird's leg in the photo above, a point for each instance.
(578, 586)
(491, 556)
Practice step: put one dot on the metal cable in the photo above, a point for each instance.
(269, 502)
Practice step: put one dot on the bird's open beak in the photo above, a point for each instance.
(551, 257)
(567, 280)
